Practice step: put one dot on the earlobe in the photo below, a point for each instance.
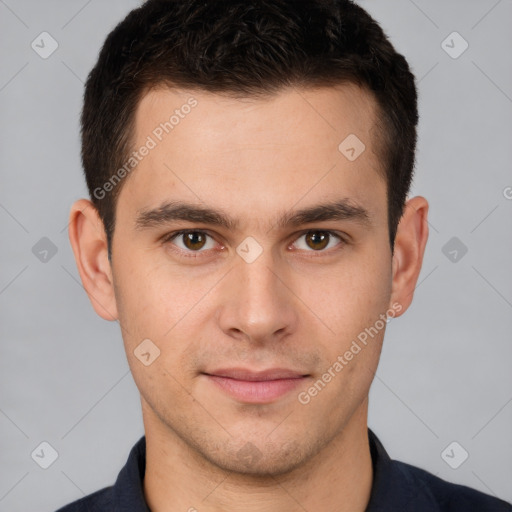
(89, 243)
(410, 242)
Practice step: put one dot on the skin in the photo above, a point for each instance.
(295, 306)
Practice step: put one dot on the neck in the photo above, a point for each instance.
(179, 478)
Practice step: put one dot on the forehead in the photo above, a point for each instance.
(253, 153)
(328, 111)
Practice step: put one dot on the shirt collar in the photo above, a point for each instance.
(128, 489)
(395, 486)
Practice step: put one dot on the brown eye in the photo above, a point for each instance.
(194, 240)
(317, 241)
(191, 241)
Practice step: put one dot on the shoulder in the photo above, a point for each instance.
(125, 494)
(96, 502)
(449, 497)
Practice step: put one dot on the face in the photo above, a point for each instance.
(255, 310)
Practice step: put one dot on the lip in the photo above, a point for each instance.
(256, 386)
(256, 376)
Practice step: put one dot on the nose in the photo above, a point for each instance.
(257, 303)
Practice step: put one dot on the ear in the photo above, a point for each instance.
(89, 242)
(411, 239)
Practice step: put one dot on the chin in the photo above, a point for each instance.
(260, 462)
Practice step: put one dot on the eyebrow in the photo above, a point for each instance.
(343, 209)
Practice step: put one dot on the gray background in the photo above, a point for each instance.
(445, 372)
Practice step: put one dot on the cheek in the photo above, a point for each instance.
(153, 314)
(169, 308)
(152, 299)
(353, 295)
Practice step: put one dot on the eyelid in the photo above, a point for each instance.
(169, 237)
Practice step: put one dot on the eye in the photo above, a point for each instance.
(196, 241)
(191, 241)
(317, 240)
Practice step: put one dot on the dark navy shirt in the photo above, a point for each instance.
(397, 487)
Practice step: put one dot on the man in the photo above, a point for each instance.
(248, 165)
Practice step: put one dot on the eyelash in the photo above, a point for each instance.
(197, 254)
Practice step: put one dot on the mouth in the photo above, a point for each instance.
(256, 387)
